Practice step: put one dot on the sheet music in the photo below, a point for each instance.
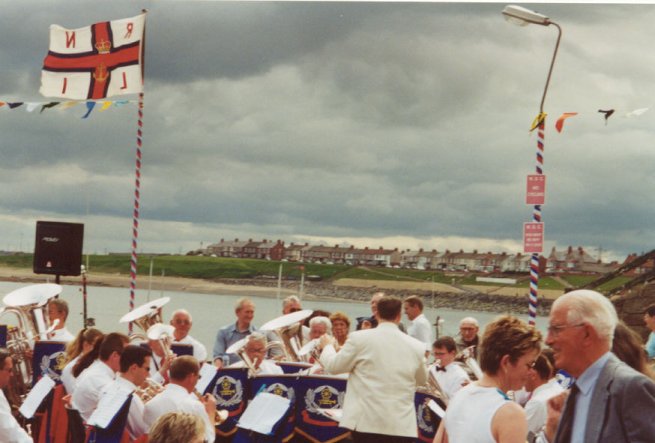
(34, 399)
(263, 412)
(108, 406)
(207, 373)
(436, 408)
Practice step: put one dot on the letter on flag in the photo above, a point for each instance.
(96, 61)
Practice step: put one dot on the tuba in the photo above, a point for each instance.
(144, 317)
(288, 328)
(432, 386)
(30, 323)
(466, 356)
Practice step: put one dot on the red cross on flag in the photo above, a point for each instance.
(96, 61)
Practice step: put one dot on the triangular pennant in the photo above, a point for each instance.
(538, 120)
(560, 121)
(66, 105)
(48, 105)
(2, 104)
(89, 107)
(31, 106)
(14, 105)
(608, 113)
(105, 105)
(636, 112)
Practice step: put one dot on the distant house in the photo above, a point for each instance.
(569, 260)
(645, 268)
(229, 248)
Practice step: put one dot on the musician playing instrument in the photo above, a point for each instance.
(178, 396)
(468, 335)
(181, 320)
(160, 361)
(82, 345)
(255, 353)
(448, 373)
(99, 374)
(385, 366)
(482, 412)
(134, 369)
(10, 430)
(58, 310)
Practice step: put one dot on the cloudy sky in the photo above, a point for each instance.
(380, 124)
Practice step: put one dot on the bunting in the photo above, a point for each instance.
(90, 105)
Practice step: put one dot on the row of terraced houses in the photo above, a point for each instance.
(567, 260)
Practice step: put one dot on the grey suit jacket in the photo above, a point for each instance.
(622, 407)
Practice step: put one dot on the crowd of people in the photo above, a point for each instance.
(588, 380)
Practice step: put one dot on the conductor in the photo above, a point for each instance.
(379, 403)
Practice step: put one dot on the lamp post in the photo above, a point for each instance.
(524, 17)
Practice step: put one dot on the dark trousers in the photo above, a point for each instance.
(365, 437)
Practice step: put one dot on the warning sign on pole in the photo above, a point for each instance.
(533, 237)
(536, 189)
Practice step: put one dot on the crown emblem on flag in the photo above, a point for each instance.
(103, 46)
(100, 74)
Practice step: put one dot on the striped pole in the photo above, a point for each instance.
(536, 217)
(137, 195)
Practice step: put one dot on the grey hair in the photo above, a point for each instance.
(290, 299)
(322, 320)
(469, 320)
(257, 336)
(593, 308)
(181, 311)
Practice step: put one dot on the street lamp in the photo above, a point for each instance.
(524, 17)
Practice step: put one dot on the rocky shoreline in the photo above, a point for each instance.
(465, 301)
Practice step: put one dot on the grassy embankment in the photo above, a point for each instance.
(212, 268)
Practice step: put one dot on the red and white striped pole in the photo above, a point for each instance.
(137, 197)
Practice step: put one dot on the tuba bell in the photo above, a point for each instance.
(288, 328)
(144, 317)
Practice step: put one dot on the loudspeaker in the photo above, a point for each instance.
(58, 248)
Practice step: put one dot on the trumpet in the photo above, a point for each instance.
(148, 390)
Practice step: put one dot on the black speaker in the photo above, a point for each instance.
(58, 248)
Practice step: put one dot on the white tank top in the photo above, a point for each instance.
(469, 414)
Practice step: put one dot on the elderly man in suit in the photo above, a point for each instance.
(379, 401)
(609, 402)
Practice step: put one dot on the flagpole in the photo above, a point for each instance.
(137, 182)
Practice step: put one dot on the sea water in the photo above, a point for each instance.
(210, 312)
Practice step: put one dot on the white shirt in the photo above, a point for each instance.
(266, 367)
(536, 408)
(175, 398)
(62, 334)
(155, 366)
(420, 329)
(89, 385)
(10, 431)
(67, 378)
(199, 350)
(451, 379)
(136, 425)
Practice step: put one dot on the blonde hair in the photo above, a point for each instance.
(177, 427)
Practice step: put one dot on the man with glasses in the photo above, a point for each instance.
(609, 401)
(450, 375)
(10, 430)
(468, 335)
(181, 320)
(134, 369)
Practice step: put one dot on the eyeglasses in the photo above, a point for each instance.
(555, 330)
(182, 322)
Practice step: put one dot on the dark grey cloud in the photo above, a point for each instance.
(339, 120)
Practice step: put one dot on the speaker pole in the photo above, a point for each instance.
(84, 295)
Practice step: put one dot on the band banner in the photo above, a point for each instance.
(293, 367)
(284, 386)
(314, 393)
(49, 359)
(426, 420)
(182, 349)
(231, 389)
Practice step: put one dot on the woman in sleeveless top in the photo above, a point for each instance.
(481, 412)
